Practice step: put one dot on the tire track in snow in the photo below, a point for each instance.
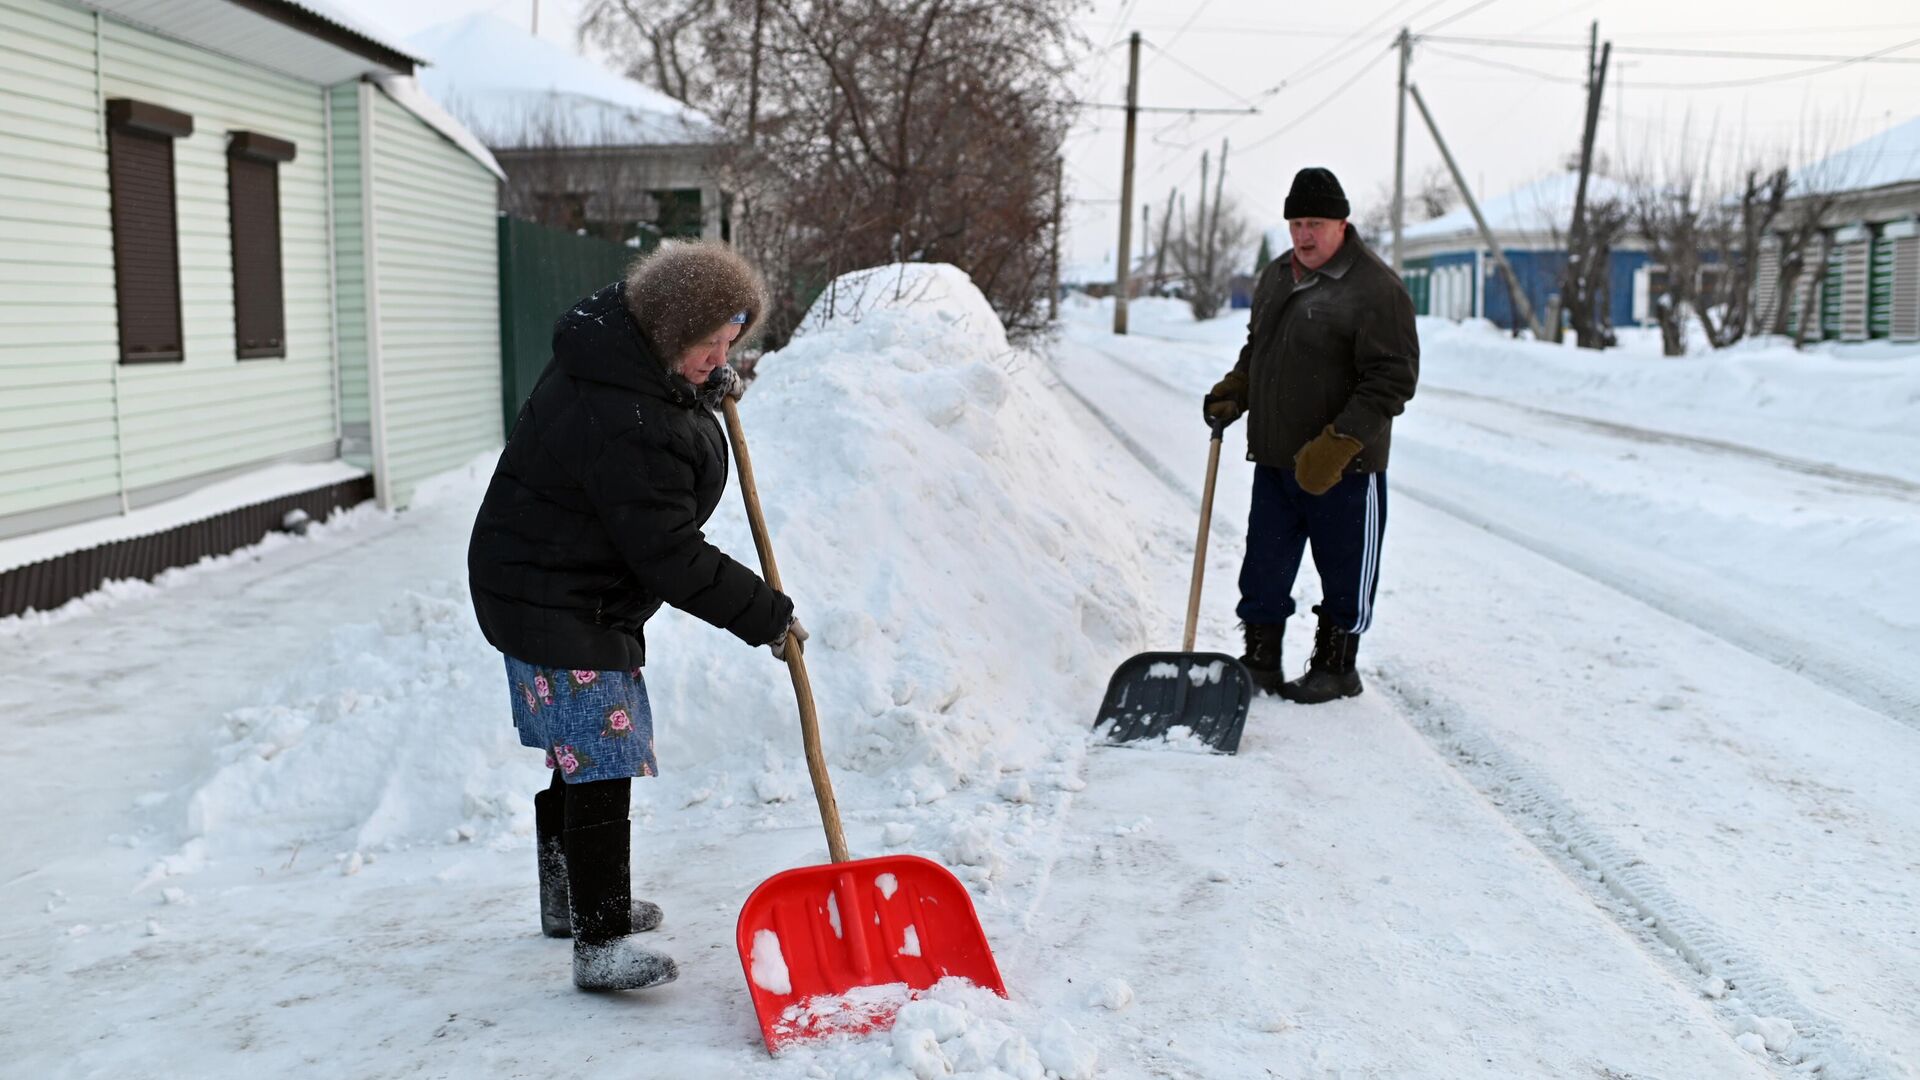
(1619, 883)
(1623, 886)
(1828, 668)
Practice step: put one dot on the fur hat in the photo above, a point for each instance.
(685, 290)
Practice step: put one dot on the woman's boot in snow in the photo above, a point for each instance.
(549, 817)
(1330, 673)
(605, 954)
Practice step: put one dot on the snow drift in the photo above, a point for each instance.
(954, 552)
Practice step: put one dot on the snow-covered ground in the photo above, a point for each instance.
(270, 815)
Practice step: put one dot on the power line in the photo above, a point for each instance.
(1780, 76)
(1180, 33)
(1504, 66)
(1318, 105)
(1198, 74)
(1458, 15)
(1879, 57)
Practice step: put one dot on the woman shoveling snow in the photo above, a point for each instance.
(592, 521)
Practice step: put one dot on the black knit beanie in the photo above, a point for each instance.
(1316, 194)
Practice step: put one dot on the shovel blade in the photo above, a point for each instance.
(1155, 692)
(838, 949)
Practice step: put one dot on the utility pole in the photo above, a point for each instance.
(536, 18)
(1213, 226)
(1199, 258)
(1053, 294)
(1400, 151)
(1160, 251)
(1122, 270)
(1520, 304)
(1578, 272)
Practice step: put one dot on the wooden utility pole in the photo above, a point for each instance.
(1213, 226)
(1400, 152)
(1199, 258)
(1578, 272)
(1053, 273)
(1160, 251)
(1520, 303)
(1123, 268)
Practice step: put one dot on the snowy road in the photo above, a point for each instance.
(1757, 819)
(300, 842)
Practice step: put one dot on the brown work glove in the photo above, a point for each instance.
(1319, 464)
(1226, 401)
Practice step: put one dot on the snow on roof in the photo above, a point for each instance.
(1543, 206)
(406, 92)
(1891, 157)
(519, 90)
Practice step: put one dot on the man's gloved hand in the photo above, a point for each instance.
(794, 637)
(1226, 401)
(1320, 464)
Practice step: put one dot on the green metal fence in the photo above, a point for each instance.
(542, 272)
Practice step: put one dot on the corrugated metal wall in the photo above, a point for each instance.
(435, 276)
(66, 398)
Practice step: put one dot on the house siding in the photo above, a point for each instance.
(435, 277)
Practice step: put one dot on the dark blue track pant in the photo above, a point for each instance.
(1345, 527)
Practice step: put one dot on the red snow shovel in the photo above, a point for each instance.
(1206, 693)
(838, 949)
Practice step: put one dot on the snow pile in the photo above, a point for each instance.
(952, 1029)
(954, 551)
(1851, 404)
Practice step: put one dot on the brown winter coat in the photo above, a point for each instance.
(1337, 348)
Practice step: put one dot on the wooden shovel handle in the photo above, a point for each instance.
(1200, 545)
(796, 664)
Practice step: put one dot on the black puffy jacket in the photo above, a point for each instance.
(594, 515)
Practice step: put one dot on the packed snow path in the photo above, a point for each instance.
(1740, 816)
(298, 843)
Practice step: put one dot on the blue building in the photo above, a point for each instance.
(1451, 274)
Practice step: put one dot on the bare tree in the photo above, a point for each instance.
(866, 132)
(1213, 245)
(662, 41)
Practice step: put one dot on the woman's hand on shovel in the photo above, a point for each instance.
(795, 633)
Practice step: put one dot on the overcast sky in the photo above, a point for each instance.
(1335, 68)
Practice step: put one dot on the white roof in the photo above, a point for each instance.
(1544, 206)
(517, 90)
(313, 40)
(1891, 157)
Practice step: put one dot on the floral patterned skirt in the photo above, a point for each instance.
(594, 725)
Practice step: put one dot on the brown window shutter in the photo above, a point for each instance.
(259, 304)
(146, 251)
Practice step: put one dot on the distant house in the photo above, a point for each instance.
(584, 149)
(1870, 284)
(246, 267)
(1451, 274)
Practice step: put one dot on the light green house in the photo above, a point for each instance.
(239, 249)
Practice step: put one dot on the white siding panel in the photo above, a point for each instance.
(213, 411)
(437, 272)
(58, 333)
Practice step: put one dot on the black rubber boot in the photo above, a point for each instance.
(549, 816)
(1330, 675)
(605, 955)
(1262, 657)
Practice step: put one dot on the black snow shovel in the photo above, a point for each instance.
(1207, 693)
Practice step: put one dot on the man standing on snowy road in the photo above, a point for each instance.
(592, 522)
(1331, 358)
